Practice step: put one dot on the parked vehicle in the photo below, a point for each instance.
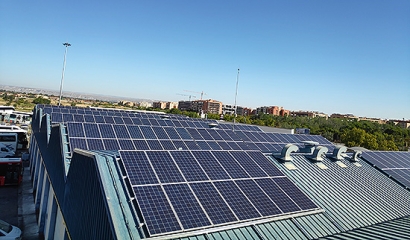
(9, 232)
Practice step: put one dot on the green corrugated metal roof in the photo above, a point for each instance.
(394, 229)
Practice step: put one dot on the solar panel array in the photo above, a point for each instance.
(186, 190)
(395, 164)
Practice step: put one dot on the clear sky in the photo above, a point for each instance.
(324, 55)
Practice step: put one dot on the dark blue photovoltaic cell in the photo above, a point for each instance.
(126, 144)
(111, 144)
(203, 145)
(136, 121)
(195, 134)
(277, 195)
(184, 124)
(56, 117)
(89, 118)
(91, 130)
(148, 132)
(211, 166)
(172, 133)
(230, 165)
(177, 123)
(243, 146)
(214, 145)
(167, 145)
(252, 146)
(78, 118)
(145, 122)
(251, 137)
(186, 206)
(262, 147)
(401, 175)
(108, 119)
(205, 134)
(234, 146)
(156, 210)
(127, 120)
(121, 131)
(135, 132)
(153, 122)
(179, 144)
(224, 146)
(183, 133)
(297, 195)
(236, 200)
(213, 203)
(242, 136)
(165, 167)
(106, 130)
(248, 164)
(154, 145)
(75, 129)
(78, 143)
(259, 199)
(118, 120)
(265, 164)
(99, 119)
(224, 135)
(138, 168)
(95, 144)
(68, 117)
(215, 135)
(160, 132)
(141, 144)
(191, 145)
(189, 166)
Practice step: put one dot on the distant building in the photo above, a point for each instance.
(401, 123)
(126, 103)
(273, 110)
(228, 109)
(201, 106)
(348, 116)
(160, 105)
(144, 104)
(311, 114)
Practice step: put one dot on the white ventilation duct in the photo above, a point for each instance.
(355, 156)
(318, 153)
(338, 151)
(309, 146)
(287, 150)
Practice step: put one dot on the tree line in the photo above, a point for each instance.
(350, 132)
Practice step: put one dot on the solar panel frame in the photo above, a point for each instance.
(75, 129)
(106, 130)
(165, 167)
(231, 166)
(210, 165)
(95, 144)
(141, 144)
(91, 130)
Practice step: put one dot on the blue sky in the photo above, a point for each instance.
(328, 56)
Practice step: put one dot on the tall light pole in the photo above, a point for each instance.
(236, 94)
(62, 75)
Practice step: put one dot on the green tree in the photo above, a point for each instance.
(41, 100)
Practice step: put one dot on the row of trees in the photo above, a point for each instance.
(367, 134)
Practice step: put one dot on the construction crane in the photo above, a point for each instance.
(202, 93)
(186, 96)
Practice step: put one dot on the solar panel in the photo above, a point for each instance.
(205, 134)
(195, 134)
(234, 146)
(172, 133)
(79, 118)
(106, 130)
(111, 144)
(91, 130)
(179, 144)
(297, 195)
(186, 206)
(224, 146)
(213, 203)
(156, 210)
(238, 202)
(253, 169)
(75, 129)
(118, 120)
(191, 145)
(203, 145)
(167, 144)
(154, 145)
(121, 131)
(141, 144)
(215, 135)
(95, 144)
(135, 132)
(148, 132)
(165, 167)
(189, 166)
(160, 132)
(265, 164)
(138, 168)
(56, 117)
(99, 119)
(68, 117)
(108, 119)
(183, 133)
(78, 143)
(214, 145)
(212, 168)
(260, 200)
(126, 144)
(230, 165)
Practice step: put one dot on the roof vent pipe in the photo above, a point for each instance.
(355, 156)
(338, 151)
(309, 146)
(318, 153)
(287, 150)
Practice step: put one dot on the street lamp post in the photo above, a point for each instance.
(236, 94)
(62, 75)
